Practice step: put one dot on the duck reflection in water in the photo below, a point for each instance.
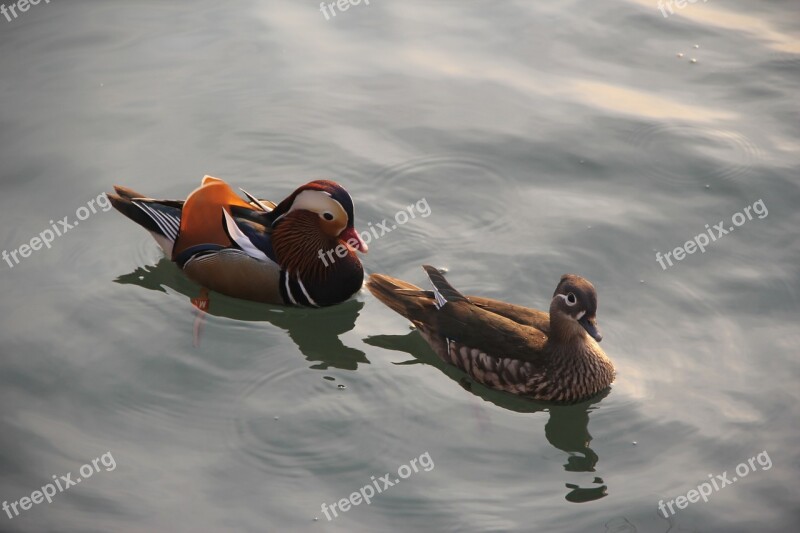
(317, 339)
(566, 430)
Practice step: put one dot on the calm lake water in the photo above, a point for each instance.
(546, 138)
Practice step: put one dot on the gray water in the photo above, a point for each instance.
(546, 138)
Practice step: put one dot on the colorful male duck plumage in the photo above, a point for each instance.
(550, 357)
(258, 250)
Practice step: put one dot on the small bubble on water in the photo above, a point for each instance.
(679, 54)
(443, 270)
(340, 386)
(693, 60)
(277, 417)
(697, 46)
(634, 443)
(708, 186)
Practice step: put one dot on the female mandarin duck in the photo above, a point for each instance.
(550, 357)
(258, 250)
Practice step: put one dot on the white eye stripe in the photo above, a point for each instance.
(321, 202)
(318, 202)
(566, 299)
(571, 300)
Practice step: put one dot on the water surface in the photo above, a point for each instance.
(545, 137)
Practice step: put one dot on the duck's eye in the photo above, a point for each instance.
(571, 300)
(327, 216)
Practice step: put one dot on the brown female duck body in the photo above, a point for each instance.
(258, 250)
(550, 357)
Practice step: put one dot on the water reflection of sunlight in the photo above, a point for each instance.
(711, 15)
(588, 92)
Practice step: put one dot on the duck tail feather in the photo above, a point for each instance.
(160, 219)
(442, 290)
(400, 296)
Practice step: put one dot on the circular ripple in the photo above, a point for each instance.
(332, 427)
(691, 153)
(296, 141)
(154, 271)
(473, 205)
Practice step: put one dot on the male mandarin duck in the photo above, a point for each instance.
(550, 357)
(257, 250)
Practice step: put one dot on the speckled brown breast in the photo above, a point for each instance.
(566, 378)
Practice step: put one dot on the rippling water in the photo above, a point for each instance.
(545, 138)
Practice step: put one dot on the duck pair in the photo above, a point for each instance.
(275, 253)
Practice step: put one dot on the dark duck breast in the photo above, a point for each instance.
(255, 249)
(550, 357)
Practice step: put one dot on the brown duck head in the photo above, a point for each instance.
(573, 309)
